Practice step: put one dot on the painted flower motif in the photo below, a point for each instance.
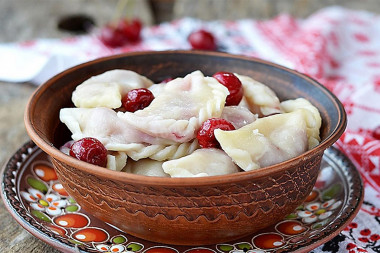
(269, 241)
(241, 247)
(119, 248)
(118, 245)
(51, 204)
(317, 211)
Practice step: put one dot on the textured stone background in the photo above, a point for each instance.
(27, 19)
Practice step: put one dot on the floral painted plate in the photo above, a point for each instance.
(36, 200)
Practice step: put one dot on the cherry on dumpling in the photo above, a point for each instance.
(233, 84)
(89, 150)
(205, 135)
(137, 99)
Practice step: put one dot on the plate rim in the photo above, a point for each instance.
(41, 235)
(334, 154)
(355, 209)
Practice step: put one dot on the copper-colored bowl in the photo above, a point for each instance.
(185, 211)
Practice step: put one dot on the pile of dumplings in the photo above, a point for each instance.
(160, 140)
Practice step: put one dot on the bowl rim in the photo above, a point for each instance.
(54, 152)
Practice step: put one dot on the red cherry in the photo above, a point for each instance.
(89, 150)
(131, 29)
(233, 85)
(112, 36)
(205, 135)
(202, 40)
(376, 133)
(137, 99)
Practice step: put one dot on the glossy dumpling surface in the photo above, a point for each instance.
(146, 167)
(201, 163)
(116, 160)
(259, 98)
(181, 106)
(161, 152)
(105, 125)
(117, 135)
(311, 115)
(107, 89)
(239, 116)
(266, 141)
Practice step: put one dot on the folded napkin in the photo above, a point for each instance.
(338, 47)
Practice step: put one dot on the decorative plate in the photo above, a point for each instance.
(36, 199)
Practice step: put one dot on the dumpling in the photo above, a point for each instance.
(238, 116)
(161, 152)
(201, 163)
(312, 117)
(105, 125)
(156, 89)
(117, 135)
(107, 89)
(146, 167)
(181, 107)
(266, 141)
(66, 147)
(116, 160)
(259, 98)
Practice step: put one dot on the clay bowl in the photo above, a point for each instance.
(185, 211)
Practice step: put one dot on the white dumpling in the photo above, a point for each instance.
(266, 141)
(116, 161)
(182, 105)
(259, 98)
(117, 135)
(238, 116)
(105, 125)
(146, 167)
(107, 89)
(66, 147)
(156, 89)
(161, 152)
(201, 163)
(312, 117)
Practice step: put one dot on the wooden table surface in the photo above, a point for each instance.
(15, 14)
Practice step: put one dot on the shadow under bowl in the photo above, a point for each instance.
(185, 211)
